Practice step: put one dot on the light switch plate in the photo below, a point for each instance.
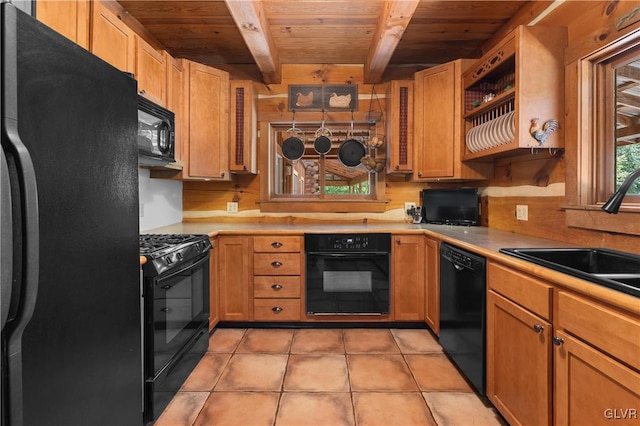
(522, 212)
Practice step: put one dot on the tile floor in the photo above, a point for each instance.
(326, 377)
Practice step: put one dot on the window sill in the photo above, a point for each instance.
(593, 218)
(306, 206)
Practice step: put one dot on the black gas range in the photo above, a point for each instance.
(175, 303)
(165, 252)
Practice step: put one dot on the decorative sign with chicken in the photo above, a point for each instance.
(323, 97)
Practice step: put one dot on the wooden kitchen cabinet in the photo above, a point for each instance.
(176, 82)
(432, 284)
(235, 269)
(206, 153)
(111, 39)
(69, 18)
(214, 310)
(438, 126)
(399, 121)
(408, 277)
(597, 363)
(277, 279)
(244, 127)
(518, 346)
(151, 72)
(519, 79)
(518, 362)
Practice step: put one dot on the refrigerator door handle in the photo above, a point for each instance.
(6, 244)
(25, 192)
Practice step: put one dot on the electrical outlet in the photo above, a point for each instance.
(232, 207)
(522, 212)
(409, 205)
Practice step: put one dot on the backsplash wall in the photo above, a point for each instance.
(160, 201)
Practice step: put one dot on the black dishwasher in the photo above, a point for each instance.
(462, 311)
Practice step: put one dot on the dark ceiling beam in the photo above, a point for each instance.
(394, 20)
(252, 22)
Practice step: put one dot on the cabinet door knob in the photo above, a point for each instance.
(143, 92)
(276, 287)
(538, 328)
(276, 309)
(558, 341)
(276, 244)
(419, 174)
(276, 264)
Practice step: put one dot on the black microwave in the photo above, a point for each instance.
(156, 134)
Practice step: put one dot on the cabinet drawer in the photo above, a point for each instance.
(276, 286)
(276, 309)
(277, 244)
(276, 263)
(527, 291)
(611, 331)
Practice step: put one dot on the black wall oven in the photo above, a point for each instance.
(347, 274)
(176, 313)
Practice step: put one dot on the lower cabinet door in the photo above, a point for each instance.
(518, 362)
(592, 388)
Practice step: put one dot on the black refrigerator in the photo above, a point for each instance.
(70, 289)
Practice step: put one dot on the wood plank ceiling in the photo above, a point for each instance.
(377, 33)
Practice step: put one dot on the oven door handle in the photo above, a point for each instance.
(345, 255)
(187, 267)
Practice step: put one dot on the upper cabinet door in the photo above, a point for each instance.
(208, 156)
(244, 127)
(400, 127)
(111, 39)
(69, 18)
(151, 72)
(176, 82)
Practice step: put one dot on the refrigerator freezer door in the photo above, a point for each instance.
(79, 356)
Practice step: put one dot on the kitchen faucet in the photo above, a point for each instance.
(613, 204)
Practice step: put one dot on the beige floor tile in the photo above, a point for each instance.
(239, 408)
(436, 372)
(385, 372)
(454, 408)
(206, 373)
(411, 341)
(183, 409)
(388, 409)
(359, 340)
(309, 409)
(266, 341)
(317, 341)
(258, 372)
(225, 340)
(317, 373)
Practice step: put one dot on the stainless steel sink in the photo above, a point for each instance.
(610, 268)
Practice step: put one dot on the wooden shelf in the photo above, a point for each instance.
(496, 101)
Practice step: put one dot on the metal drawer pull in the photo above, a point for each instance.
(276, 309)
(276, 244)
(166, 310)
(558, 341)
(538, 328)
(276, 264)
(276, 287)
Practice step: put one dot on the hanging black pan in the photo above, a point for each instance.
(351, 150)
(293, 146)
(322, 143)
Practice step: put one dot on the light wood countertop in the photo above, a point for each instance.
(481, 240)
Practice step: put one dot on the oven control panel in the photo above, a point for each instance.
(327, 243)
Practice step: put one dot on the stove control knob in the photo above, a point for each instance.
(169, 261)
(179, 256)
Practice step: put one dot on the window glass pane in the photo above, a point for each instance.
(627, 112)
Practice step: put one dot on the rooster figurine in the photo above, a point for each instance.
(541, 135)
